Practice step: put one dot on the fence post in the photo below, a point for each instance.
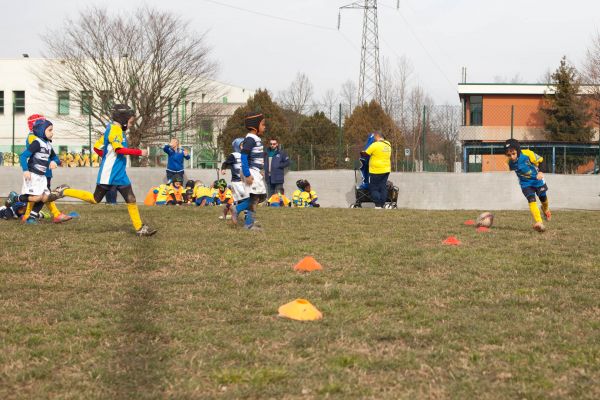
(465, 159)
(512, 120)
(423, 140)
(553, 159)
(13, 134)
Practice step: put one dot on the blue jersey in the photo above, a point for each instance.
(526, 168)
(175, 159)
(112, 167)
(28, 140)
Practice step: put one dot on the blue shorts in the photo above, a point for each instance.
(209, 200)
(530, 192)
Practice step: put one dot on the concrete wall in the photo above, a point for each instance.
(432, 191)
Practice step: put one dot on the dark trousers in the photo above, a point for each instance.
(378, 188)
(273, 188)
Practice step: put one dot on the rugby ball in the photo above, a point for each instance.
(485, 219)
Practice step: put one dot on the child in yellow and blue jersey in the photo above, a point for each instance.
(163, 194)
(176, 191)
(202, 195)
(526, 165)
(112, 147)
(304, 196)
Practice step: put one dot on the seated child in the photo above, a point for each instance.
(188, 194)
(304, 196)
(13, 210)
(176, 197)
(163, 194)
(225, 197)
(279, 200)
(202, 195)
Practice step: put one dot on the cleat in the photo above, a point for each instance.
(13, 197)
(44, 215)
(31, 221)
(547, 215)
(539, 227)
(61, 218)
(145, 230)
(59, 191)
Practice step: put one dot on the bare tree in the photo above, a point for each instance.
(516, 78)
(388, 88)
(299, 95)
(591, 75)
(402, 74)
(349, 96)
(329, 102)
(150, 60)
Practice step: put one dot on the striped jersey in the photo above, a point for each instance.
(112, 167)
(253, 147)
(39, 153)
(234, 163)
(28, 140)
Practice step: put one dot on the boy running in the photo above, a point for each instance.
(252, 157)
(526, 165)
(112, 147)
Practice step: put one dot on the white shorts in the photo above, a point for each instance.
(239, 191)
(258, 185)
(36, 186)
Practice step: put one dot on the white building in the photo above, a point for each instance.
(22, 94)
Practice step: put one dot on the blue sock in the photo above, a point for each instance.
(242, 205)
(249, 218)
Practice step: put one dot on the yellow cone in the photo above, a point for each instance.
(300, 310)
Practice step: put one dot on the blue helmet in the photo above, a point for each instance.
(39, 128)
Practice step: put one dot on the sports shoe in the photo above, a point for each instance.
(145, 230)
(13, 197)
(61, 218)
(31, 221)
(547, 215)
(44, 215)
(59, 191)
(539, 227)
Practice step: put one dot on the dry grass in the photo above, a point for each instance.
(91, 311)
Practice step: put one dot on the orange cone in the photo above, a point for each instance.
(300, 310)
(307, 264)
(452, 241)
(482, 229)
(469, 222)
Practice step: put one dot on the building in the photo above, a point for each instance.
(23, 93)
(493, 113)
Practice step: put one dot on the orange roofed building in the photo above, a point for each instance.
(493, 113)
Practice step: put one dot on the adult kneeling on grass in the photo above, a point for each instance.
(380, 166)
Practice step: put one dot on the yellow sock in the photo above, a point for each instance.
(545, 205)
(53, 209)
(134, 214)
(535, 211)
(80, 194)
(28, 210)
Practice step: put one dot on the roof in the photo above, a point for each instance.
(504, 88)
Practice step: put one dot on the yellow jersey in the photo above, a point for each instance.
(381, 157)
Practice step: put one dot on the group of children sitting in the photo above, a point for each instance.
(219, 193)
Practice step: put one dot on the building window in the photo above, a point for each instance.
(19, 99)
(63, 102)
(476, 110)
(1, 102)
(225, 100)
(87, 99)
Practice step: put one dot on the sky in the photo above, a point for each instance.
(268, 43)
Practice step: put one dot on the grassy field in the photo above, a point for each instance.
(88, 310)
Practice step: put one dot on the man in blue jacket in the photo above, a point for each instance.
(175, 160)
(276, 160)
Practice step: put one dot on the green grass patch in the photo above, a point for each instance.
(88, 310)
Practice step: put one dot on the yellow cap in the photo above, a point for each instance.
(300, 310)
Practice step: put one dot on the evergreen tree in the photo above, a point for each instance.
(567, 116)
(277, 125)
(315, 143)
(368, 118)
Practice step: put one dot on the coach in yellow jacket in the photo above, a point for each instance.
(380, 166)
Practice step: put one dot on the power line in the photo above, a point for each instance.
(271, 16)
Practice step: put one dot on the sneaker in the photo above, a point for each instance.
(31, 221)
(145, 230)
(61, 218)
(539, 227)
(13, 197)
(547, 215)
(59, 191)
(44, 215)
